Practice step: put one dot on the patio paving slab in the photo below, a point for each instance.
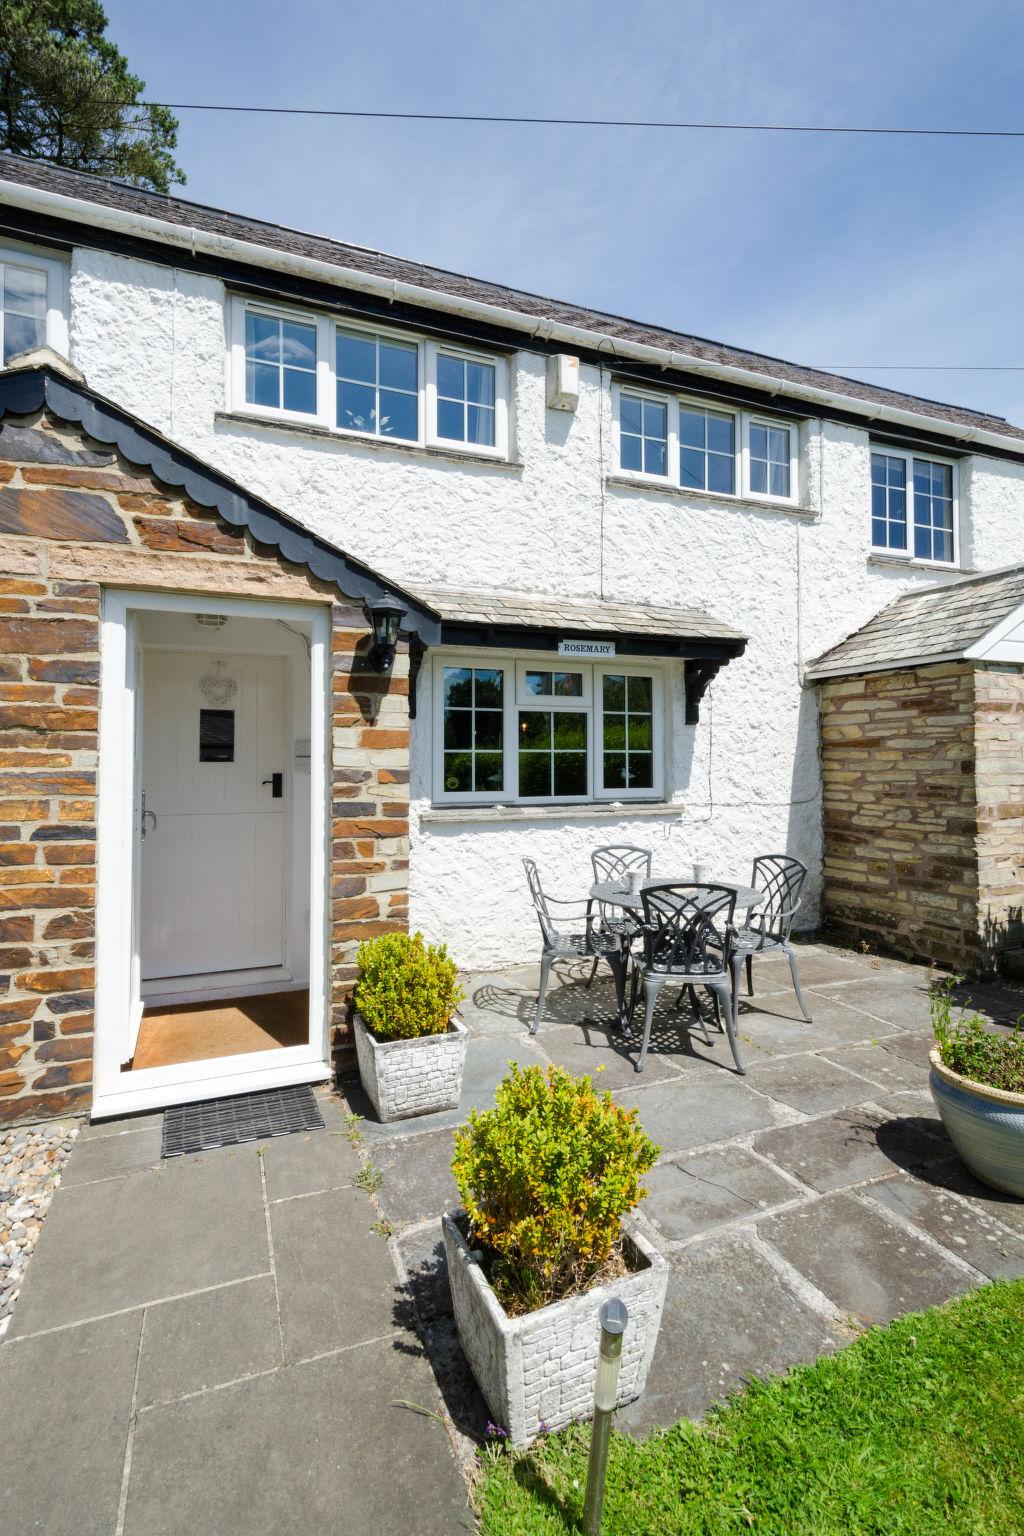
(65, 1400)
(691, 1195)
(868, 1266)
(309, 1161)
(913, 1046)
(313, 1448)
(606, 1056)
(773, 1033)
(811, 1084)
(951, 1174)
(898, 1000)
(728, 1317)
(335, 1277)
(151, 1234)
(850, 1146)
(424, 1259)
(883, 1064)
(967, 1230)
(692, 1112)
(417, 1177)
(111, 1157)
(206, 1340)
(816, 966)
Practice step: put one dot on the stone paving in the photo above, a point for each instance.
(797, 1205)
(243, 1341)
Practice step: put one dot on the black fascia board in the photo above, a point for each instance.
(268, 284)
(25, 391)
(523, 637)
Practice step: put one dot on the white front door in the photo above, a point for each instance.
(214, 857)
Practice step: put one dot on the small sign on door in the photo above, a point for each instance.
(586, 647)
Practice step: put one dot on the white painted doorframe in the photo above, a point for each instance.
(116, 1092)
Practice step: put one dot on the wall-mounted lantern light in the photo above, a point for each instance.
(387, 614)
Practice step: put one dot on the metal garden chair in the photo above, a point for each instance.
(572, 936)
(768, 926)
(616, 861)
(682, 947)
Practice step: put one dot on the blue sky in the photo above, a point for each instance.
(832, 251)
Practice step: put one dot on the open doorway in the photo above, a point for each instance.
(212, 953)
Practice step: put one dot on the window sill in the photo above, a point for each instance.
(680, 493)
(372, 444)
(908, 563)
(623, 810)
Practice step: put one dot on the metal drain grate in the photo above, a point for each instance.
(246, 1117)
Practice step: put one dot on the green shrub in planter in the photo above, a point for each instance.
(406, 988)
(546, 1177)
(967, 1047)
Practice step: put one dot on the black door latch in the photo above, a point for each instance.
(277, 780)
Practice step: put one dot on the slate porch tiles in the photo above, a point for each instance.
(308, 1161)
(204, 1341)
(323, 1446)
(149, 1235)
(335, 1277)
(417, 1179)
(694, 1194)
(812, 1084)
(111, 1157)
(967, 1230)
(728, 1317)
(690, 1113)
(65, 1401)
(852, 1145)
(868, 1266)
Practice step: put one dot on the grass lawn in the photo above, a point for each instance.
(914, 1430)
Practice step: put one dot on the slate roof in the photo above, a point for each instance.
(573, 616)
(934, 624)
(455, 285)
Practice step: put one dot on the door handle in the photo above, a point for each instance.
(277, 780)
(145, 813)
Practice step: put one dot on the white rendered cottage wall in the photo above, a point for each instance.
(745, 780)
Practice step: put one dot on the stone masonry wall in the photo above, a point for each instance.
(900, 823)
(73, 519)
(999, 777)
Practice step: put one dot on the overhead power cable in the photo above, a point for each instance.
(574, 122)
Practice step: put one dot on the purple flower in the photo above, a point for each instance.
(495, 1431)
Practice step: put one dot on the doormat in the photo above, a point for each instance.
(246, 1117)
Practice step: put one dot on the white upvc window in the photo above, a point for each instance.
(546, 731)
(33, 303)
(914, 506)
(704, 447)
(367, 381)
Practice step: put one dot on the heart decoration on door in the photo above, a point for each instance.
(218, 688)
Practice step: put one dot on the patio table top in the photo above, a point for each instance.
(616, 894)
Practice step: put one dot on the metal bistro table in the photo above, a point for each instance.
(613, 893)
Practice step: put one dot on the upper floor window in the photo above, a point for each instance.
(643, 434)
(33, 308)
(913, 506)
(280, 363)
(524, 731)
(365, 381)
(700, 447)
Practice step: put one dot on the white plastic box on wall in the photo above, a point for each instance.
(563, 382)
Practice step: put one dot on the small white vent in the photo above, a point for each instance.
(211, 620)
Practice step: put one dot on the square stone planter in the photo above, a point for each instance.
(411, 1077)
(538, 1369)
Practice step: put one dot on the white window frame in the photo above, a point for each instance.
(324, 382)
(326, 414)
(513, 668)
(885, 551)
(742, 421)
(755, 419)
(500, 450)
(56, 329)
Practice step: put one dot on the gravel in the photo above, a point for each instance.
(32, 1158)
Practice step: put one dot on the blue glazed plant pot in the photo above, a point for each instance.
(986, 1125)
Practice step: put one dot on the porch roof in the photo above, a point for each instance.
(41, 379)
(975, 618)
(489, 617)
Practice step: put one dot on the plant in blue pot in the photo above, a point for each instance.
(977, 1082)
